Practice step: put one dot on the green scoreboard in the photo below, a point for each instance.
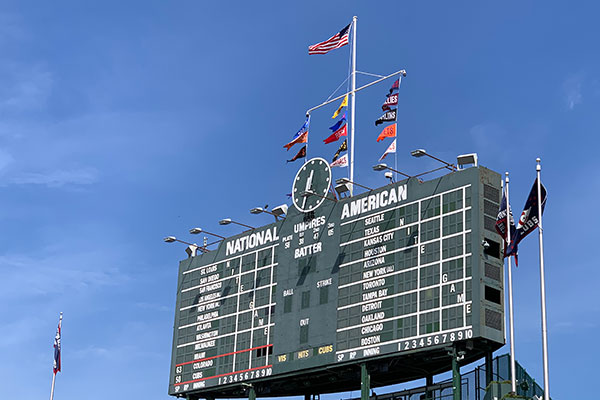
(394, 278)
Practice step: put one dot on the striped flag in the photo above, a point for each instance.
(56, 367)
(335, 42)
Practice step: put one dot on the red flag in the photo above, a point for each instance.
(392, 100)
(301, 154)
(388, 131)
(303, 138)
(343, 131)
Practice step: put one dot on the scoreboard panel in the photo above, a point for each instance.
(392, 277)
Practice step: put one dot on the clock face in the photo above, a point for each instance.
(311, 185)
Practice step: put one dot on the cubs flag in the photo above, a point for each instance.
(501, 221)
(342, 105)
(343, 131)
(391, 149)
(388, 131)
(56, 367)
(303, 138)
(343, 147)
(337, 125)
(341, 162)
(392, 100)
(335, 42)
(395, 86)
(301, 154)
(529, 218)
(388, 116)
(303, 128)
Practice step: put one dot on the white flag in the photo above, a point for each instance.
(341, 162)
(391, 149)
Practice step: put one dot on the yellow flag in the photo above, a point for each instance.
(344, 104)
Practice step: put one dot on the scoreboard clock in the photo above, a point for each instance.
(311, 185)
(391, 278)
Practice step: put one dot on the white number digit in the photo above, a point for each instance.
(414, 344)
(422, 343)
(469, 334)
(178, 369)
(429, 341)
(178, 379)
(444, 338)
(452, 337)
(460, 335)
(405, 345)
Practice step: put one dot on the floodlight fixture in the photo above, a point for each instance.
(195, 231)
(277, 211)
(281, 210)
(422, 152)
(191, 249)
(466, 159)
(383, 167)
(341, 189)
(228, 221)
(348, 181)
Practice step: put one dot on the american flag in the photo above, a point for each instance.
(57, 347)
(335, 42)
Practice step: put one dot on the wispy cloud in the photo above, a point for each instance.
(57, 178)
(24, 87)
(572, 88)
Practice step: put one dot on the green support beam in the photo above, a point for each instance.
(365, 382)
(251, 394)
(456, 387)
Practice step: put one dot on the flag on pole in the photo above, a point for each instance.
(390, 149)
(395, 85)
(335, 42)
(343, 147)
(56, 367)
(392, 100)
(388, 116)
(341, 162)
(529, 219)
(303, 138)
(303, 128)
(501, 221)
(343, 131)
(342, 105)
(301, 154)
(388, 131)
(337, 125)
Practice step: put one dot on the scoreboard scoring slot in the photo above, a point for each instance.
(392, 273)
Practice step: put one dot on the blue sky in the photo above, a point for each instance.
(124, 122)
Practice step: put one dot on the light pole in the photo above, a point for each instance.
(422, 152)
(228, 221)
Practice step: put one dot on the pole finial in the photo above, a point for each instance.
(538, 167)
(506, 176)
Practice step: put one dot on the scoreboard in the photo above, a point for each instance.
(394, 278)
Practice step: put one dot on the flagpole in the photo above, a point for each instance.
(53, 372)
(513, 374)
(538, 169)
(353, 103)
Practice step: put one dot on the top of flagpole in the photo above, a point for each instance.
(538, 167)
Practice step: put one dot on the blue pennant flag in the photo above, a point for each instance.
(339, 123)
(529, 219)
(304, 127)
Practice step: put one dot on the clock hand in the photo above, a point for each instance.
(308, 186)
